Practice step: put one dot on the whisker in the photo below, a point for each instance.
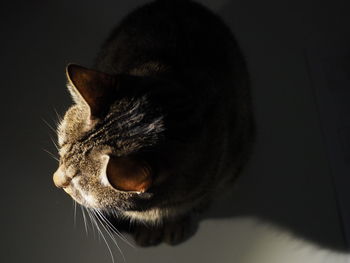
(75, 213)
(104, 239)
(59, 118)
(51, 155)
(54, 143)
(91, 221)
(54, 130)
(114, 229)
(109, 233)
(83, 213)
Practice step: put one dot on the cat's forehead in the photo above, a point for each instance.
(73, 125)
(127, 127)
(73, 136)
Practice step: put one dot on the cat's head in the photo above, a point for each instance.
(101, 140)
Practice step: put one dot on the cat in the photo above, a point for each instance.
(160, 124)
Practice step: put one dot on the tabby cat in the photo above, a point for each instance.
(161, 122)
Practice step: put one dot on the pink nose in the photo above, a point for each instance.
(60, 179)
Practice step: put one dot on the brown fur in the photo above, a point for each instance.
(161, 124)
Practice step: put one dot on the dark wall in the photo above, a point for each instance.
(293, 48)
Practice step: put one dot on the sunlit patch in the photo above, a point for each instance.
(61, 127)
(90, 200)
(150, 216)
(87, 199)
(104, 180)
(103, 175)
(63, 150)
(79, 195)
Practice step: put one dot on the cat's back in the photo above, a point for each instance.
(181, 34)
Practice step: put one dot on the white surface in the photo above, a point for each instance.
(242, 239)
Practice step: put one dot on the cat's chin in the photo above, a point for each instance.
(70, 192)
(85, 200)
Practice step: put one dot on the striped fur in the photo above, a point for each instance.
(191, 121)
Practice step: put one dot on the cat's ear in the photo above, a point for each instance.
(91, 87)
(127, 174)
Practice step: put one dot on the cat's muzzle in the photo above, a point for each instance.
(60, 179)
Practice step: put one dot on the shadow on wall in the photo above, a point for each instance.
(288, 181)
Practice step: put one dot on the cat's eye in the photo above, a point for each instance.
(126, 174)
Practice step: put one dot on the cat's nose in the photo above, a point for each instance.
(60, 179)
